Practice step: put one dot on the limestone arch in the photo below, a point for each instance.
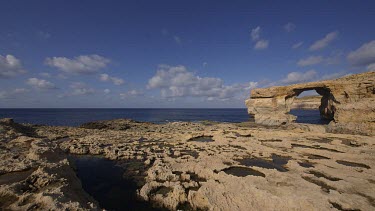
(327, 107)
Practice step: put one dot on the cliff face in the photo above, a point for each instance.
(348, 101)
(308, 102)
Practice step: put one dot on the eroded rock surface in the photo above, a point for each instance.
(242, 167)
(348, 101)
(307, 102)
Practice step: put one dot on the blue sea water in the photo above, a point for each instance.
(75, 117)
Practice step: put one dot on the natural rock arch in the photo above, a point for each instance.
(348, 101)
(326, 108)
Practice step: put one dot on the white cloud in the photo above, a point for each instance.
(289, 27)
(46, 75)
(324, 42)
(334, 58)
(255, 37)
(80, 88)
(107, 91)
(13, 93)
(255, 33)
(298, 77)
(177, 81)
(371, 67)
(364, 55)
(10, 66)
(311, 60)
(84, 64)
(334, 75)
(261, 44)
(297, 45)
(40, 83)
(3, 95)
(114, 80)
(131, 93)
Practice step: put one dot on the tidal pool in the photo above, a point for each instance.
(240, 171)
(105, 182)
(277, 162)
(202, 139)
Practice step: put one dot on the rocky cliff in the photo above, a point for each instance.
(348, 101)
(307, 102)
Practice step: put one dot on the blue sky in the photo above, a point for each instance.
(171, 54)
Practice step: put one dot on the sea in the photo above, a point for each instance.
(78, 116)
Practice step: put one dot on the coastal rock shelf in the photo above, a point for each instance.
(247, 166)
(348, 101)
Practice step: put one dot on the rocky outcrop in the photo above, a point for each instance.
(307, 103)
(243, 167)
(348, 101)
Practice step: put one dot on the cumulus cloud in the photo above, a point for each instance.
(311, 60)
(297, 45)
(177, 81)
(255, 33)
(255, 37)
(299, 77)
(10, 66)
(114, 80)
(261, 44)
(324, 42)
(363, 56)
(289, 27)
(84, 64)
(40, 83)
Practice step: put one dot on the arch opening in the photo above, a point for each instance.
(312, 105)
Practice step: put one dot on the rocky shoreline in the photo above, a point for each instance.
(191, 166)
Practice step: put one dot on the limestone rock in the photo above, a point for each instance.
(348, 101)
(307, 102)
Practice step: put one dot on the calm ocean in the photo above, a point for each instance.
(75, 117)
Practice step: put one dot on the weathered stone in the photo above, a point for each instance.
(35, 173)
(350, 99)
(307, 102)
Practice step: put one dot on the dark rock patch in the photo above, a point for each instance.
(202, 139)
(339, 207)
(277, 162)
(319, 174)
(317, 157)
(352, 164)
(315, 147)
(306, 164)
(15, 176)
(326, 188)
(240, 171)
(162, 190)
